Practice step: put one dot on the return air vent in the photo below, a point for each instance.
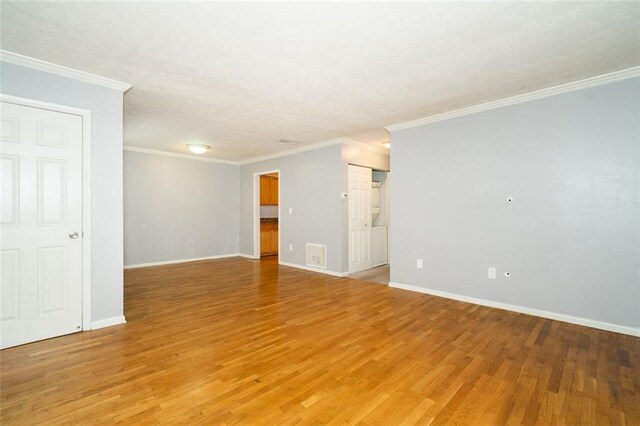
(317, 255)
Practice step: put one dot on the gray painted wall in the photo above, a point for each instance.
(310, 184)
(178, 208)
(106, 163)
(571, 236)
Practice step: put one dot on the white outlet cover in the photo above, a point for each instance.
(419, 263)
(290, 247)
(290, 210)
(491, 273)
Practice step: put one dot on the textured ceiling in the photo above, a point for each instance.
(240, 76)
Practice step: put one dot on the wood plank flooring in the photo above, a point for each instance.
(236, 341)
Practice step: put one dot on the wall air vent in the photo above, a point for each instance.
(317, 255)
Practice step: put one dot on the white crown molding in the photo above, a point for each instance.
(37, 64)
(293, 151)
(526, 97)
(632, 331)
(337, 141)
(176, 155)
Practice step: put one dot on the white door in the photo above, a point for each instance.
(40, 214)
(359, 218)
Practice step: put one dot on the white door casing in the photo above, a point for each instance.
(359, 218)
(41, 210)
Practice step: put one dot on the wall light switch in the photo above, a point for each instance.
(492, 273)
(419, 263)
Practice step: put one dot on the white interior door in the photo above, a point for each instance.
(359, 218)
(40, 224)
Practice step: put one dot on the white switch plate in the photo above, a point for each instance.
(492, 273)
(290, 210)
(419, 263)
(290, 247)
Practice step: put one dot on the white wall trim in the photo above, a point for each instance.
(293, 151)
(526, 97)
(37, 64)
(248, 256)
(337, 141)
(108, 322)
(176, 155)
(86, 192)
(523, 310)
(312, 269)
(172, 262)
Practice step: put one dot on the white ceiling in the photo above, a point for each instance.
(241, 76)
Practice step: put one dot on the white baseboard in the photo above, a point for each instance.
(248, 256)
(171, 262)
(309, 268)
(108, 322)
(632, 331)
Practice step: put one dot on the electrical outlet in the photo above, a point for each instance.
(290, 210)
(290, 247)
(419, 263)
(492, 273)
(190, 243)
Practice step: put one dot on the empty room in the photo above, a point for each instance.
(265, 213)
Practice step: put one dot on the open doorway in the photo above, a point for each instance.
(267, 215)
(368, 224)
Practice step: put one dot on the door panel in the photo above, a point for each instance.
(265, 191)
(274, 240)
(9, 190)
(40, 207)
(359, 218)
(265, 239)
(52, 198)
(273, 191)
(10, 276)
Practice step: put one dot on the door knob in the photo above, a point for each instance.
(73, 235)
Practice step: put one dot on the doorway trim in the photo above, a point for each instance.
(86, 191)
(256, 212)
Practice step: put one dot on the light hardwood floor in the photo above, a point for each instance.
(237, 341)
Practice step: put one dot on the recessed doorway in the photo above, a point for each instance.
(368, 224)
(267, 214)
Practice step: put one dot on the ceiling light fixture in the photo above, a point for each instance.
(198, 149)
(387, 144)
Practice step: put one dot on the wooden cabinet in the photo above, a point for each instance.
(268, 238)
(268, 190)
(273, 191)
